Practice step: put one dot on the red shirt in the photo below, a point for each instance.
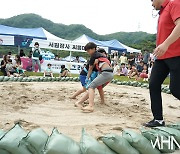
(169, 13)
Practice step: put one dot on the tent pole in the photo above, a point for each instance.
(70, 55)
(19, 49)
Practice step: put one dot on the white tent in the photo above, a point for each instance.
(84, 39)
(131, 50)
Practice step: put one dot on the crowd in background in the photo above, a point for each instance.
(136, 66)
(12, 66)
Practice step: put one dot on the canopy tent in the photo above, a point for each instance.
(26, 37)
(86, 39)
(131, 50)
(112, 44)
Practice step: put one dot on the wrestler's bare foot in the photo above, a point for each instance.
(88, 109)
(102, 102)
(72, 97)
(78, 105)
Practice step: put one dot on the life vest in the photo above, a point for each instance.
(102, 59)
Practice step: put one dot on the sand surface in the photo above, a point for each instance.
(47, 105)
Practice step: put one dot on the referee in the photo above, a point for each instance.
(168, 57)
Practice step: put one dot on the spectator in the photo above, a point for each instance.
(133, 73)
(129, 68)
(140, 57)
(123, 58)
(22, 54)
(64, 71)
(116, 69)
(131, 59)
(10, 70)
(56, 57)
(3, 64)
(144, 73)
(35, 57)
(30, 54)
(116, 57)
(77, 60)
(140, 66)
(152, 57)
(48, 72)
(123, 70)
(9, 54)
(18, 66)
(146, 57)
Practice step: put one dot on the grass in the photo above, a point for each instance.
(41, 74)
(124, 78)
(121, 78)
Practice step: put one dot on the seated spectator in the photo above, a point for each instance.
(64, 71)
(10, 70)
(3, 65)
(140, 66)
(129, 68)
(133, 74)
(22, 54)
(116, 69)
(48, 72)
(123, 70)
(30, 54)
(56, 57)
(18, 66)
(144, 73)
(77, 60)
(9, 54)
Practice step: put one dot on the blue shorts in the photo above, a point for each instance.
(83, 80)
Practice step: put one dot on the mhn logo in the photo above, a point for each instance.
(160, 141)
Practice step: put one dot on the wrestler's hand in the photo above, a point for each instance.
(160, 50)
(96, 61)
(87, 80)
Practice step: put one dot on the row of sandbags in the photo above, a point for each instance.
(18, 141)
(37, 79)
(164, 88)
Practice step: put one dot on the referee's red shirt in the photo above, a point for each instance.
(169, 13)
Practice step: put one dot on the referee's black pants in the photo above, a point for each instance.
(160, 71)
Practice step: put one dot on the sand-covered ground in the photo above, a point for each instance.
(47, 105)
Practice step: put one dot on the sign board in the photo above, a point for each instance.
(74, 68)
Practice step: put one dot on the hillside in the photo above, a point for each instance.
(134, 39)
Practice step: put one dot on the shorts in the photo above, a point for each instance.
(102, 86)
(83, 80)
(102, 80)
(143, 75)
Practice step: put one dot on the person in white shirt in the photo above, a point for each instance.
(116, 69)
(123, 59)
